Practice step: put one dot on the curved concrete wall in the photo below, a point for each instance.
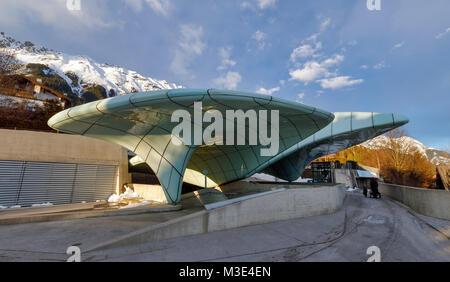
(288, 204)
(430, 202)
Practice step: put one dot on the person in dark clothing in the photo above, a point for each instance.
(365, 190)
(374, 188)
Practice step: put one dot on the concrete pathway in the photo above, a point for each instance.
(400, 234)
(344, 236)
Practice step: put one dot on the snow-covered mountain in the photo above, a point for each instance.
(410, 145)
(87, 71)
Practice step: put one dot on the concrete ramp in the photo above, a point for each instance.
(287, 204)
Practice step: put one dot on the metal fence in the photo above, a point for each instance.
(26, 183)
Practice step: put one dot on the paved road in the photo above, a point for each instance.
(400, 234)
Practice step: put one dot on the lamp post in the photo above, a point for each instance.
(205, 172)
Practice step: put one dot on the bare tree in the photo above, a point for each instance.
(398, 150)
(396, 133)
(8, 62)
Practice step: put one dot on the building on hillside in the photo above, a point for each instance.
(27, 88)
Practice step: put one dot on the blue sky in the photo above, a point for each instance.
(336, 55)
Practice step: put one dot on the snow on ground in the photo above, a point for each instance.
(42, 205)
(128, 194)
(270, 178)
(12, 101)
(135, 205)
(352, 189)
(128, 199)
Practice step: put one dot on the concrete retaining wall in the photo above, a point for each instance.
(149, 192)
(288, 204)
(430, 202)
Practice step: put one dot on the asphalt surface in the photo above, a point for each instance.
(399, 233)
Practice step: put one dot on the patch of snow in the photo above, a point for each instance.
(135, 205)
(13, 102)
(42, 205)
(15, 207)
(3, 207)
(128, 194)
(114, 198)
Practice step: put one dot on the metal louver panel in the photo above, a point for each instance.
(61, 183)
(84, 184)
(104, 182)
(36, 177)
(28, 183)
(10, 179)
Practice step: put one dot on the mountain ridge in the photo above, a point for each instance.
(411, 145)
(80, 72)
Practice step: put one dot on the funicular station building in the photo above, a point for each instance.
(143, 123)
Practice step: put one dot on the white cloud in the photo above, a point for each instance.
(399, 45)
(190, 46)
(229, 80)
(160, 6)
(314, 70)
(380, 65)
(324, 25)
(336, 59)
(263, 4)
(310, 72)
(260, 37)
(258, 4)
(364, 67)
(191, 38)
(245, 5)
(263, 90)
(136, 5)
(304, 51)
(93, 14)
(225, 54)
(300, 97)
(338, 82)
(444, 33)
(319, 71)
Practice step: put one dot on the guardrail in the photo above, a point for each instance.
(429, 202)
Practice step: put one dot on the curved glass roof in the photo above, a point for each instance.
(347, 129)
(141, 122)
